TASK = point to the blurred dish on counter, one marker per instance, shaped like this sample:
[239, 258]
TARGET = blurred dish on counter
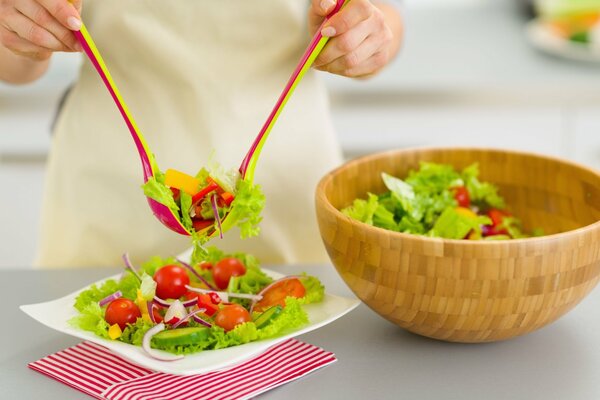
[567, 28]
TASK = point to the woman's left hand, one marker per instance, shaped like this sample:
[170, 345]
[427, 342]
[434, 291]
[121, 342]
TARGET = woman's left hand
[364, 36]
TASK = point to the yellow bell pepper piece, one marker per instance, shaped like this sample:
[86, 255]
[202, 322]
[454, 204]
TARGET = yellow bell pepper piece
[141, 303]
[182, 181]
[466, 212]
[114, 332]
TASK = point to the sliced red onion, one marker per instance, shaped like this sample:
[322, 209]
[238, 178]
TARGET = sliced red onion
[166, 304]
[226, 295]
[213, 203]
[129, 266]
[187, 317]
[269, 286]
[158, 355]
[151, 305]
[196, 274]
[110, 298]
[201, 321]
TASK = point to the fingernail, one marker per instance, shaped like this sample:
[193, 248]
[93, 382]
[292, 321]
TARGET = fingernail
[74, 23]
[328, 31]
[327, 4]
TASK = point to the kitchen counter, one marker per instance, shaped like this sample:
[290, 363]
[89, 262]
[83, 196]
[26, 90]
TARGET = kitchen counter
[376, 359]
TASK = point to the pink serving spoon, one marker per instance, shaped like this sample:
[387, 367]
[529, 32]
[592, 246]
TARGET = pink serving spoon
[247, 168]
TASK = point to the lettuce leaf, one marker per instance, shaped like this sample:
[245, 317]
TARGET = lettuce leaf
[481, 192]
[363, 210]
[128, 285]
[91, 318]
[315, 291]
[156, 189]
[134, 334]
[154, 263]
[454, 225]
[186, 202]
[247, 207]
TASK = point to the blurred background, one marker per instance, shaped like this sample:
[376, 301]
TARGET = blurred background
[472, 72]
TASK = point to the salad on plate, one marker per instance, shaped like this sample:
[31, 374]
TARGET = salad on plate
[220, 300]
[439, 201]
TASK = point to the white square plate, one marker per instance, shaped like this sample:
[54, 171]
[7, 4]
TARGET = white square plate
[56, 314]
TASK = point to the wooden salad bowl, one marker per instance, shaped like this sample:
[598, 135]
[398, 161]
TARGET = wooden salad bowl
[470, 291]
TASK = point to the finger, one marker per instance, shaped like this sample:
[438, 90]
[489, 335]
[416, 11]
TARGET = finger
[348, 17]
[42, 17]
[322, 8]
[64, 12]
[22, 47]
[344, 44]
[318, 10]
[78, 4]
[32, 32]
[369, 67]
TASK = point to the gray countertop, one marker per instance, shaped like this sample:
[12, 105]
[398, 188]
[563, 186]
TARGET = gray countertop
[376, 360]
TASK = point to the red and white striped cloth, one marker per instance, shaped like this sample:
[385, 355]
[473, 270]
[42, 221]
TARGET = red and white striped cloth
[98, 372]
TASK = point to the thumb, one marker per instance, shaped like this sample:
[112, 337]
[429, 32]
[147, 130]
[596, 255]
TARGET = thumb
[319, 9]
[77, 4]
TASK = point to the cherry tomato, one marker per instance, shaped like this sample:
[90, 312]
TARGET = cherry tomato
[176, 193]
[231, 315]
[171, 281]
[277, 294]
[122, 312]
[461, 194]
[225, 269]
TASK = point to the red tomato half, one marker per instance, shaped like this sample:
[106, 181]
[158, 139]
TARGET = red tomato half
[277, 294]
[122, 312]
[225, 269]
[231, 315]
[461, 194]
[171, 281]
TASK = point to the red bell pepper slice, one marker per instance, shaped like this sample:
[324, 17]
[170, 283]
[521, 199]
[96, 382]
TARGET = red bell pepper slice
[200, 224]
[227, 198]
[205, 301]
[206, 190]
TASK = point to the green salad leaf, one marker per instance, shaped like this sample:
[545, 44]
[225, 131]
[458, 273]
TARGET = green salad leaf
[91, 318]
[247, 207]
[156, 189]
[425, 204]
[455, 225]
[363, 210]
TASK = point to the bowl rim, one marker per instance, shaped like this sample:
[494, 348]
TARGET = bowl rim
[321, 197]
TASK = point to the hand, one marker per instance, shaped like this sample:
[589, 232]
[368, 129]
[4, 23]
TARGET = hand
[362, 42]
[37, 28]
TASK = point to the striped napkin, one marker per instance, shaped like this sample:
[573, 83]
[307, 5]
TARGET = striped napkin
[100, 373]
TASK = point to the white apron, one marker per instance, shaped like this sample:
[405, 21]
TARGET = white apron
[197, 75]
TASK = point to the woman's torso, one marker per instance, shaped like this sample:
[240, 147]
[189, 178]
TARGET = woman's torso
[198, 76]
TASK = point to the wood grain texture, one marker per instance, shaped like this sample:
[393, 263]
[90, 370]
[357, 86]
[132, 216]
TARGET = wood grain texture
[470, 291]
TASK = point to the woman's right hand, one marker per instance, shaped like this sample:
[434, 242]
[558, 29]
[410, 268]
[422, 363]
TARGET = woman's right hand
[37, 28]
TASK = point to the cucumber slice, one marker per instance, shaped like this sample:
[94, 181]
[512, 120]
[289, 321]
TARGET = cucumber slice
[266, 317]
[180, 336]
